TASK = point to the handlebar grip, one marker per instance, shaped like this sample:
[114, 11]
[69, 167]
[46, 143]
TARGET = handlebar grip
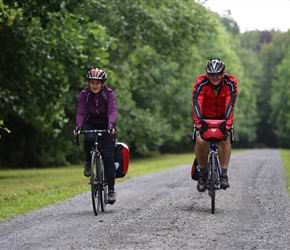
[194, 133]
[232, 134]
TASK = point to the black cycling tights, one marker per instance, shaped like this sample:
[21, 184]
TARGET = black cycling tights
[108, 145]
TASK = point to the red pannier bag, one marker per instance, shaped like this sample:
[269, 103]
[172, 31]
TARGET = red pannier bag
[213, 130]
[122, 158]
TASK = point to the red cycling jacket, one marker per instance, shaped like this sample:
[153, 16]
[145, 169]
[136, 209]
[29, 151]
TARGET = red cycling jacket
[207, 105]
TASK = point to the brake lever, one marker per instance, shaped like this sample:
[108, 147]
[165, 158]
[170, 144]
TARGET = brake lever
[76, 140]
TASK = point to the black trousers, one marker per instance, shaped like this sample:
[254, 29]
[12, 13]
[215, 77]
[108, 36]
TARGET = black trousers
[108, 145]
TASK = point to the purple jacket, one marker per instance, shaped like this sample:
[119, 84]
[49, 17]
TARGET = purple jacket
[99, 110]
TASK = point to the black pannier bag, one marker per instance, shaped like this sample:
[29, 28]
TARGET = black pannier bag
[194, 170]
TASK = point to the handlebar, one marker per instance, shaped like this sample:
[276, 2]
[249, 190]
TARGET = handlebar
[206, 121]
[89, 131]
[94, 131]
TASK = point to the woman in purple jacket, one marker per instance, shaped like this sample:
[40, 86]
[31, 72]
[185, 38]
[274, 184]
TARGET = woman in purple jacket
[97, 109]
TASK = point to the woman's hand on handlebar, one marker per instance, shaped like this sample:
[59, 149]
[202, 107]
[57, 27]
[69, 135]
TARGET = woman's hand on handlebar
[77, 130]
[111, 130]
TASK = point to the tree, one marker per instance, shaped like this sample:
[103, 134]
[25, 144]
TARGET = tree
[44, 54]
[280, 102]
[271, 55]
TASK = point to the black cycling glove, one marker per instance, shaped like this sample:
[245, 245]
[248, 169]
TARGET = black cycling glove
[78, 129]
[110, 128]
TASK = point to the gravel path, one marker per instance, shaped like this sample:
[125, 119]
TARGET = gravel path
[165, 211]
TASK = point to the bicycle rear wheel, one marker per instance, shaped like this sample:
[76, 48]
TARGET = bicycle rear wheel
[94, 183]
[212, 188]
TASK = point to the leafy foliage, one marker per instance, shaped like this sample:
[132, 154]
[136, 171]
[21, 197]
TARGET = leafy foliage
[280, 102]
[152, 52]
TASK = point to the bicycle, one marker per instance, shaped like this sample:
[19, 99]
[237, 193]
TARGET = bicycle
[213, 131]
[99, 186]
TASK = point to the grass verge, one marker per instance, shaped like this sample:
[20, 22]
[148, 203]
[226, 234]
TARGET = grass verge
[285, 154]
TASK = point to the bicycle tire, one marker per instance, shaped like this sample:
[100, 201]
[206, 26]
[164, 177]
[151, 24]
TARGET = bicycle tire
[102, 189]
[105, 190]
[94, 184]
[212, 182]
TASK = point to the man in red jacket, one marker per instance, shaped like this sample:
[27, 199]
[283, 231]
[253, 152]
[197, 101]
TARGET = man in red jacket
[214, 96]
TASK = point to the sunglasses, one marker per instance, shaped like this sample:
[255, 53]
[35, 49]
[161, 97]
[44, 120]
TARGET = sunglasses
[214, 74]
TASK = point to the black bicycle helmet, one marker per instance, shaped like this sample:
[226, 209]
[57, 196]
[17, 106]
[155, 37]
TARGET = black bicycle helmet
[215, 66]
[96, 74]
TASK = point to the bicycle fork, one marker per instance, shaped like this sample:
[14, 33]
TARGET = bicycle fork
[214, 172]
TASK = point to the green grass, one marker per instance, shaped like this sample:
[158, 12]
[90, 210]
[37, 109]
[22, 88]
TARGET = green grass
[157, 163]
[26, 190]
[285, 154]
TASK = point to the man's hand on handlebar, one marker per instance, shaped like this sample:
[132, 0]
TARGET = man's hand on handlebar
[198, 126]
[201, 125]
[228, 127]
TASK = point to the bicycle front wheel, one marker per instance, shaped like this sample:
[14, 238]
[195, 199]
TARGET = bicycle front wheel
[101, 189]
[94, 183]
[212, 187]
